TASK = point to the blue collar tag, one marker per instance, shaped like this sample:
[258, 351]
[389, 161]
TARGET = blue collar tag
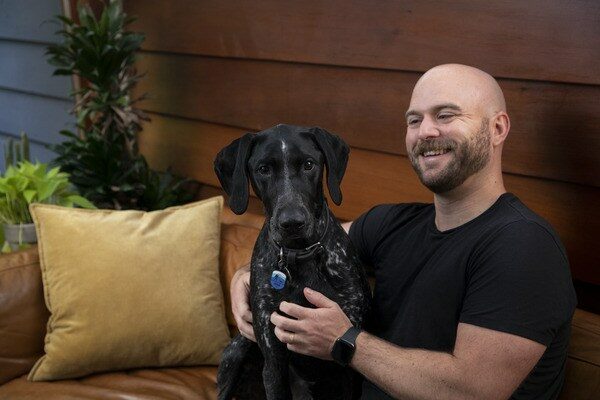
[278, 279]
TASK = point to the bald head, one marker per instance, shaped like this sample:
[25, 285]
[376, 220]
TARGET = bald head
[456, 83]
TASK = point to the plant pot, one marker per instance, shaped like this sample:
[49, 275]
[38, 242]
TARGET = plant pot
[16, 234]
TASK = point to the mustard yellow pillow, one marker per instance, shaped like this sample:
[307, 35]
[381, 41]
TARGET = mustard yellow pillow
[130, 289]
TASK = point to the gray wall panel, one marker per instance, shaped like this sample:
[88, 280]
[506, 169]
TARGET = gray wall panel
[25, 19]
[31, 99]
[40, 117]
[23, 67]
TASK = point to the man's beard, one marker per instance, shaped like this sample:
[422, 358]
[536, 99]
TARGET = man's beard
[470, 157]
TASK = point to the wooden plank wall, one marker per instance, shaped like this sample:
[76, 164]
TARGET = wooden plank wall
[217, 69]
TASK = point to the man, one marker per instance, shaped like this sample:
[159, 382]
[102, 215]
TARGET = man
[473, 296]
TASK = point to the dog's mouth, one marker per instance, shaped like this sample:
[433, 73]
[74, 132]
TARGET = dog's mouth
[295, 239]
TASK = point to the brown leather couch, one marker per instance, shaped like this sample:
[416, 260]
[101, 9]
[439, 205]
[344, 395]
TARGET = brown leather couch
[23, 317]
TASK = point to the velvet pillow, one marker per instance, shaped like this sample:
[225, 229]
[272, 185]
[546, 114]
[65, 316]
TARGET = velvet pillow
[130, 289]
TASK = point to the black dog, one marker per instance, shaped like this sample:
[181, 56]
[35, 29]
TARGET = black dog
[300, 245]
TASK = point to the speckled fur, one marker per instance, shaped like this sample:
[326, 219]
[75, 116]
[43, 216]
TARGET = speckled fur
[337, 273]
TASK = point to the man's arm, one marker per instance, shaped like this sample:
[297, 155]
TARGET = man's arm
[485, 364]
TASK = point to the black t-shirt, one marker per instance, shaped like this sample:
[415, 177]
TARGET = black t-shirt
[505, 270]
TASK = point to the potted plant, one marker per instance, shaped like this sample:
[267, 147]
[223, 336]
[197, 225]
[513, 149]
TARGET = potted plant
[102, 158]
[29, 183]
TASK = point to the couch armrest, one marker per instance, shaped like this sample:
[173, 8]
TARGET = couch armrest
[23, 313]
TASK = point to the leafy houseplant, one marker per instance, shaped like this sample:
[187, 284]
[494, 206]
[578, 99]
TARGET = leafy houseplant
[103, 158]
[32, 183]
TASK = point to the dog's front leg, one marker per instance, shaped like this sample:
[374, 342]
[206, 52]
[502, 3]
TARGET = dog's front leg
[275, 371]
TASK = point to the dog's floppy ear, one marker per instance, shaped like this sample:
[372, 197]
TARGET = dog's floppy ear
[230, 167]
[336, 159]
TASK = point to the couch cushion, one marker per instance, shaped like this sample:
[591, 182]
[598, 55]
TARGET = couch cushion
[130, 289]
[237, 243]
[23, 314]
[196, 383]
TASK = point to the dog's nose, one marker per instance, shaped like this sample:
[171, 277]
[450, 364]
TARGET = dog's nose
[291, 220]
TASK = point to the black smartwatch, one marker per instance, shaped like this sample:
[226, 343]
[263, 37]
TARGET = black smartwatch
[344, 346]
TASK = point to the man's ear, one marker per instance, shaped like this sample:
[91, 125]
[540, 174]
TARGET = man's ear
[336, 152]
[500, 128]
[230, 167]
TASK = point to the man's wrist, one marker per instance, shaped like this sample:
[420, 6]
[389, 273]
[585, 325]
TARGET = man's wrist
[345, 346]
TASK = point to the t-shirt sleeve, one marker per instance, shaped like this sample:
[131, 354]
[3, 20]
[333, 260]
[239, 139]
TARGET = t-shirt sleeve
[519, 282]
[366, 230]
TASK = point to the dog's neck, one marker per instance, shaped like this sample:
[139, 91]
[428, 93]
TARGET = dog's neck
[288, 258]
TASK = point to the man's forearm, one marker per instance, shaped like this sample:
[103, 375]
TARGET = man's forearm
[414, 373]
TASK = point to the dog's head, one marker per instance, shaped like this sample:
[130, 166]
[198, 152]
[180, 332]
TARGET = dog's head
[285, 166]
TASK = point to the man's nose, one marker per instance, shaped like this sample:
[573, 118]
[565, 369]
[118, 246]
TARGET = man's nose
[428, 129]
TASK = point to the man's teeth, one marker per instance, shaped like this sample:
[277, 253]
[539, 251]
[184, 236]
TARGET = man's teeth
[434, 152]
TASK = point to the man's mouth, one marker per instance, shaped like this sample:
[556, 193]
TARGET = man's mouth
[432, 153]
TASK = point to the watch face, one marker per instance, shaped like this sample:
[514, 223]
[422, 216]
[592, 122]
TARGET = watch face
[342, 351]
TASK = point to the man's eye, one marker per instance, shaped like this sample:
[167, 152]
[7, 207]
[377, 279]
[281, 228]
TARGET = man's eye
[445, 116]
[263, 169]
[412, 121]
[308, 165]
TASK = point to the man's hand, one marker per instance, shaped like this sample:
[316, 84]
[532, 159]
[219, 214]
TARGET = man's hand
[314, 330]
[240, 302]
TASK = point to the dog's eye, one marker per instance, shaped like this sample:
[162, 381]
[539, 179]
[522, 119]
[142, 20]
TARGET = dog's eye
[263, 169]
[308, 165]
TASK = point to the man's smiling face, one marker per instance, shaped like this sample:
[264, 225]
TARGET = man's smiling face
[448, 137]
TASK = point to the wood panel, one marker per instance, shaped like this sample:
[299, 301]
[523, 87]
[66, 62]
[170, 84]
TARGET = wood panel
[23, 67]
[582, 381]
[373, 178]
[554, 126]
[585, 338]
[554, 40]
[583, 362]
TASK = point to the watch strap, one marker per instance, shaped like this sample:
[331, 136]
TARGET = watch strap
[350, 335]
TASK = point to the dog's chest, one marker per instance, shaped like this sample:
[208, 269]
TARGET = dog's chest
[334, 273]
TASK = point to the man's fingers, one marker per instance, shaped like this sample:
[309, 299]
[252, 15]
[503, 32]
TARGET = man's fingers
[247, 316]
[247, 331]
[318, 299]
[294, 310]
[287, 324]
[284, 336]
[248, 335]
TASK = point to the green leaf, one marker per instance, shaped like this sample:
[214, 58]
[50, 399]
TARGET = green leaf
[29, 195]
[80, 201]
[65, 20]
[6, 248]
[61, 72]
[46, 189]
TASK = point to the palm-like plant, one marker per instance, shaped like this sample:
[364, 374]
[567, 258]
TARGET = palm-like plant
[103, 159]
